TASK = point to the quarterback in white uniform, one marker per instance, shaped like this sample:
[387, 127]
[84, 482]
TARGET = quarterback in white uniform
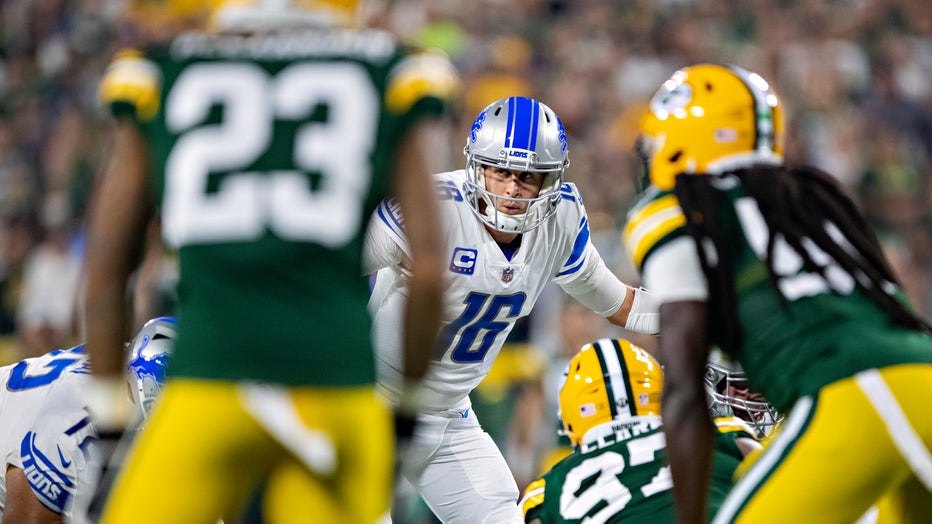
[512, 226]
[47, 439]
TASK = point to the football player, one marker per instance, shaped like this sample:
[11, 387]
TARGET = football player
[49, 444]
[618, 472]
[776, 266]
[265, 139]
[729, 395]
[512, 225]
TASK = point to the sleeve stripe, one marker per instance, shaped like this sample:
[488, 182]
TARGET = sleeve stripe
[645, 229]
[392, 221]
[579, 248]
[390, 215]
[533, 496]
[732, 424]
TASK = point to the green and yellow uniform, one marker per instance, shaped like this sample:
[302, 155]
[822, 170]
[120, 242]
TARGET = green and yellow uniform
[813, 343]
[620, 474]
[267, 154]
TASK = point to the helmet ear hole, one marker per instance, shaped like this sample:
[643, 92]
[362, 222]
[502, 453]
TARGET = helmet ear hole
[676, 156]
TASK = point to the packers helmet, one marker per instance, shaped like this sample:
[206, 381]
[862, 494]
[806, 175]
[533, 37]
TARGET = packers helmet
[710, 118]
[609, 379]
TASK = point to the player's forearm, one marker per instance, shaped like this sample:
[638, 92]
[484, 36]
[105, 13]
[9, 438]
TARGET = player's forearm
[107, 314]
[686, 418]
[422, 318]
[415, 191]
[119, 214]
[689, 444]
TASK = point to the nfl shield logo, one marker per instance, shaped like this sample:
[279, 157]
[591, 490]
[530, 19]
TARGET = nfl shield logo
[507, 274]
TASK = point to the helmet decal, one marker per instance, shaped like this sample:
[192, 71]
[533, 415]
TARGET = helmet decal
[148, 359]
[670, 99]
[477, 125]
[565, 146]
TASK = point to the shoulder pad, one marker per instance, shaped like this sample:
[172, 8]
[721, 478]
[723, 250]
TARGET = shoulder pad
[423, 75]
[654, 218]
[131, 82]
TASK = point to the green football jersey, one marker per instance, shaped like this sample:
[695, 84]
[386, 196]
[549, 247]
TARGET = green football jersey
[827, 329]
[726, 457]
[620, 473]
[268, 154]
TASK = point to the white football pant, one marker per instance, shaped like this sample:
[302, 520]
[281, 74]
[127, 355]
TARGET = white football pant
[459, 471]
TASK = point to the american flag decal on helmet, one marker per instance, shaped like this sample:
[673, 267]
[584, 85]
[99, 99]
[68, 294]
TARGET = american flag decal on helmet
[507, 274]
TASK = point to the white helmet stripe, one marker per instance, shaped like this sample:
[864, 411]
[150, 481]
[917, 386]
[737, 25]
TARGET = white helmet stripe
[614, 370]
[763, 111]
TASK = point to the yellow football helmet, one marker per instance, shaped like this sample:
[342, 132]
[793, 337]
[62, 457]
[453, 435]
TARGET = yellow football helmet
[609, 379]
[709, 118]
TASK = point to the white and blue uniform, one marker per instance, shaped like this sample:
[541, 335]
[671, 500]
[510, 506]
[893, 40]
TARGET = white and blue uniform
[46, 431]
[456, 466]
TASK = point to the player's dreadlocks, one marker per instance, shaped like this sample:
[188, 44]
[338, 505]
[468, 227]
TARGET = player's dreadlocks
[797, 203]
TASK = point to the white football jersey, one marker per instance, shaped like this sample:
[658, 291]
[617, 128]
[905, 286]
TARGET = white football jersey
[46, 431]
[486, 293]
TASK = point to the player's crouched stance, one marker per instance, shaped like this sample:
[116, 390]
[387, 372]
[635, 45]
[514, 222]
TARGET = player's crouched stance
[49, 444]
[618, 470]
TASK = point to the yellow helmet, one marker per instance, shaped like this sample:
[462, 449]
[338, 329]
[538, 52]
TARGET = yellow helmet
[709, 118]
[242, 15]
[609, 379]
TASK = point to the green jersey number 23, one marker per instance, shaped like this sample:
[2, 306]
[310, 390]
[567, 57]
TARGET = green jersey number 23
[249, 202]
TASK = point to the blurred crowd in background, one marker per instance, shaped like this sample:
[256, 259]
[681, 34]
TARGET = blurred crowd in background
[855, 77]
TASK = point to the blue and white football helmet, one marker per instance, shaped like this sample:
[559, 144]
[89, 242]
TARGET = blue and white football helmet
[148, 357]
[519, 134]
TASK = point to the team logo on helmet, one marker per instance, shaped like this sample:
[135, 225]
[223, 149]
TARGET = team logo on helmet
[668, 101]
[565, 145]
[477, 125]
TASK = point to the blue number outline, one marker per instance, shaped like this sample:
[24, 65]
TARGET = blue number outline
[19, 381]
[470, 325]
